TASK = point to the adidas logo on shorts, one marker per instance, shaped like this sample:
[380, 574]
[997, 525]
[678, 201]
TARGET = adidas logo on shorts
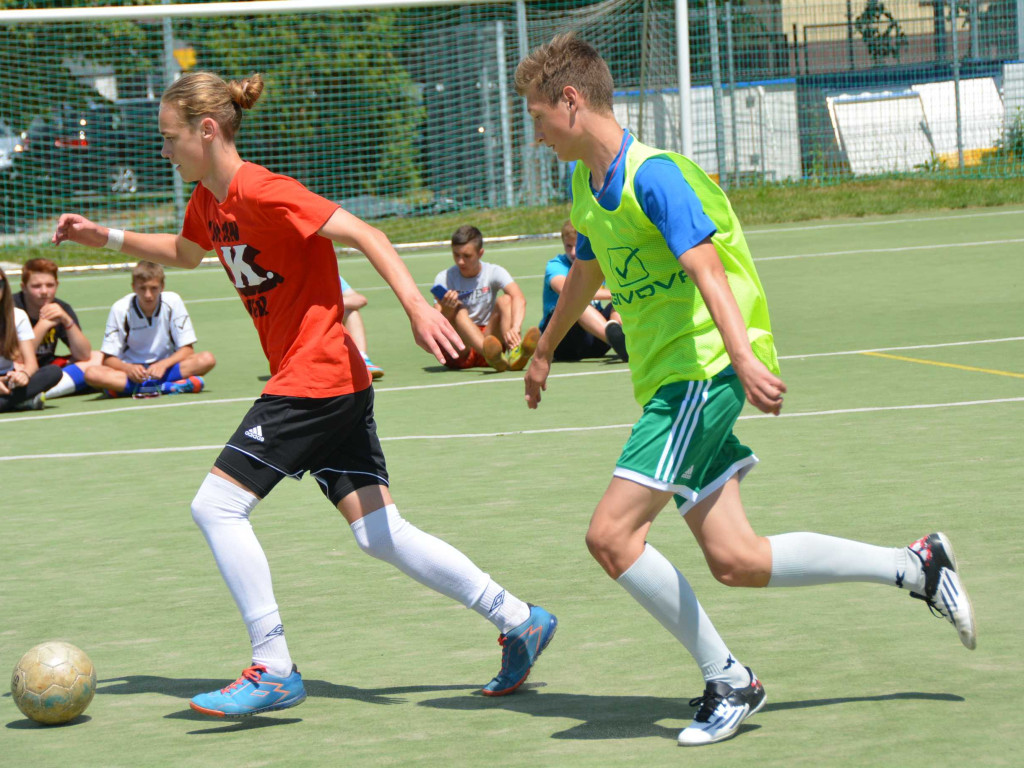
[256, 433]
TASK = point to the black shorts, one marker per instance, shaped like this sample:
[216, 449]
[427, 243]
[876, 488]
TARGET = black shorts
[332, 438]
[579, 344]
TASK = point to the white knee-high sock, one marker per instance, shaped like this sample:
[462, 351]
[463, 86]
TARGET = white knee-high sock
[666, 594]
[386, 535]
[71, 380]
[221, 510]
[803, 559]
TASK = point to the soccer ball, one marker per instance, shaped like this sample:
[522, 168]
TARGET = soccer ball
[53, 683]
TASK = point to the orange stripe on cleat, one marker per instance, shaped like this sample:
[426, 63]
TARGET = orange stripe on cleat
[205, 711]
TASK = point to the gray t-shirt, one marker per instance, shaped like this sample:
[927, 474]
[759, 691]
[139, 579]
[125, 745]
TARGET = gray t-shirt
[479, 293]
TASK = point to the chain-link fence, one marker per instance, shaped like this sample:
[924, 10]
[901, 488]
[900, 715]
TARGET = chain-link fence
[409, 111]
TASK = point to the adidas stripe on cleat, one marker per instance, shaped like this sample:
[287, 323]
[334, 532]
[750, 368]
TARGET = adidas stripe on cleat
[722, 709]
[254, 693]
[520, 650]
[944, 592]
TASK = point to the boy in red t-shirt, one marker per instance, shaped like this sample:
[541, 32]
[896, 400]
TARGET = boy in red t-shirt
[274, 239]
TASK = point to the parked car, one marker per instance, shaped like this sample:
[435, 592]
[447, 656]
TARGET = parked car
[99, 148]
[9, 144]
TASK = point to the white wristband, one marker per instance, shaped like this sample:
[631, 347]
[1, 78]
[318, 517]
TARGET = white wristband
[115, 239]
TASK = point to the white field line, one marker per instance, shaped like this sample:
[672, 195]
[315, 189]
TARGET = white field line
[890, 222]
[901, 249]
[516, 433]
[148, 405]
[785, 257]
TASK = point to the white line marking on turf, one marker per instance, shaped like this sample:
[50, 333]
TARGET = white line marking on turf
[862, 223]
[901, 249]
[784, 257]
[895, 349]
[515, 433]
[149, 405]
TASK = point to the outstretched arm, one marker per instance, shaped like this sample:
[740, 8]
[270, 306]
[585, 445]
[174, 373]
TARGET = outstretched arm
[430, 329]
[584, 279]
[166, 249]
[763, 388]
[518, 313]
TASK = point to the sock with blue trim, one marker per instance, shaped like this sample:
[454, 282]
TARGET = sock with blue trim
[72, 382]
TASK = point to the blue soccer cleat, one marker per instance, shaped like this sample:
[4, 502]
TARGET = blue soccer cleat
[520, 650]
[254, 693]
[375, 371]
[188, 385]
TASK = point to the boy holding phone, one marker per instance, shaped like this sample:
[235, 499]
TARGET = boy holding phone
[488, 323]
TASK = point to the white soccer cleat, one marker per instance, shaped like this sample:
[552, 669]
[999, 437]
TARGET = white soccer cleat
[943, 591]
[722, 710]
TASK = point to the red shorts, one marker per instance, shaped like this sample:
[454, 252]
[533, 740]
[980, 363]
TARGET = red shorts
[473, 360]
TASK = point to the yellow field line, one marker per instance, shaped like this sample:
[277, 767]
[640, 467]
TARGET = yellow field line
[946, 365]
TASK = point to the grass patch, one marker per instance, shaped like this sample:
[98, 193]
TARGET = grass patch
[756, 205]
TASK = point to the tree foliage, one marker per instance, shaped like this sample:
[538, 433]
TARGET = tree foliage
[339, 112]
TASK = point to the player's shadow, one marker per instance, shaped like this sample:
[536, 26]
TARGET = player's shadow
[28, 725]
[628, 717]
[468, 373]
[186, 688]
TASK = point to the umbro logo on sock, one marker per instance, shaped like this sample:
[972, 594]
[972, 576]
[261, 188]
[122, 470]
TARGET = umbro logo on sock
[277, 631]
[256, 433]
[498, 601]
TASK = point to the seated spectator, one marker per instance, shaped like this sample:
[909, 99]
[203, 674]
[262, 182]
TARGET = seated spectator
[353, 322]
[54, 320]
[22, 381]
[598, 328]
[147, 346]
[468, 296]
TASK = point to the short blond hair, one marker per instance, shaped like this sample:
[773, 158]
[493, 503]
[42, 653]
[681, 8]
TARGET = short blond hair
[567, 60]
[568, 229]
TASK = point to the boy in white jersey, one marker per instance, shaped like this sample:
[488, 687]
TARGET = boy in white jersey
[665, 239]
[485, 306]
[148, 342]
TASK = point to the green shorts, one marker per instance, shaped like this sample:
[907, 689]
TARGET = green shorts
[684, 443]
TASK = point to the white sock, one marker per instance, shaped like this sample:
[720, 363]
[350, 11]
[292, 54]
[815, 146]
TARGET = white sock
[666, 594]
[221, 510]
[503, 610]
[269, 647]
[386, 535]
[803, 559]
[66, 386]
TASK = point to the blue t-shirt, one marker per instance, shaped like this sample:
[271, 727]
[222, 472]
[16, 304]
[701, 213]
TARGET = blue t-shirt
[560, 265]
[664, 196]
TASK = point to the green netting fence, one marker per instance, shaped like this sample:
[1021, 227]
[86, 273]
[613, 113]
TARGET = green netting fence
[407, 110]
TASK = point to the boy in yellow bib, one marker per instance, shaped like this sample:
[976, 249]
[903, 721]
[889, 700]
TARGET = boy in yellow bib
[665, 239]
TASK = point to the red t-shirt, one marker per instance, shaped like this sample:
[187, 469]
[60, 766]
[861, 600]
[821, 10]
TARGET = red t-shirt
[265, 235]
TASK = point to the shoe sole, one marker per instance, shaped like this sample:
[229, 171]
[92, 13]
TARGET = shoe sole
[507, 691]
[733, 732]
[494, 358]
[970, 637]
[526, 350]
[242, 715]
